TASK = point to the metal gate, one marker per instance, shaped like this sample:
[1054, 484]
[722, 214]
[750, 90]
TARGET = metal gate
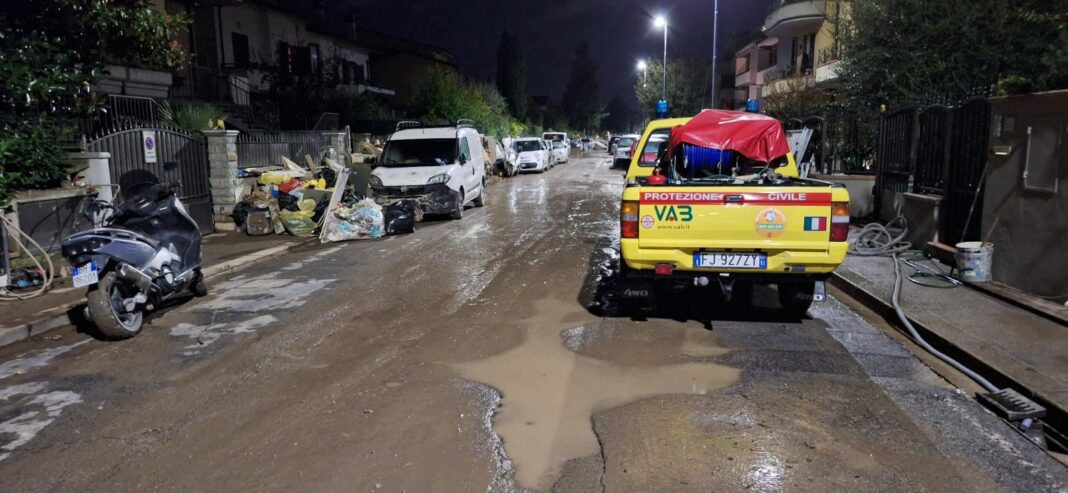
[181, 159]
[938, 150]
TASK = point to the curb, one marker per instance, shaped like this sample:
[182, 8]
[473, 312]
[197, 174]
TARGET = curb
[11, 335]
[1056, 415]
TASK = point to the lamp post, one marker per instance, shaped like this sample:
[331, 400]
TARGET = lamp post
[644, 69]
[715, 39]
[661, 22]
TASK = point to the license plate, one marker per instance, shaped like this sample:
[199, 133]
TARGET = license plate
[86, 275]
[731, 260]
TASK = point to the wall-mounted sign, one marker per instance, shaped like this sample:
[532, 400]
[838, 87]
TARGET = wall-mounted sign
[148, 139]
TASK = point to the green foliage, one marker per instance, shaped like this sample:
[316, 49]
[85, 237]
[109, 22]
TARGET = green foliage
[445, 99]
[619, 118]
[689, 83]
[581, 101]
[52, 53]
[512, 74]
[29, 157]
[191, 117]
[799, 99]
[906, 51]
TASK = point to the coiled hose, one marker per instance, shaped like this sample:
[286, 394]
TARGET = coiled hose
[889, 240]
[16, 234]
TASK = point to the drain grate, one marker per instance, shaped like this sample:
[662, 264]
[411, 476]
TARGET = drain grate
[1012, 405]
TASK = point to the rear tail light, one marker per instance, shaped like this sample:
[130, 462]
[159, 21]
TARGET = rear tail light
[633, 148]
[839, 221]
[664, 269]
[628, 219]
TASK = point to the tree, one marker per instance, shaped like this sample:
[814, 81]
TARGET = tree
[582, 104]
[512, 74]
[52, 53]
[446, 98]
[907, 51]
[689, 83]
[618, 118]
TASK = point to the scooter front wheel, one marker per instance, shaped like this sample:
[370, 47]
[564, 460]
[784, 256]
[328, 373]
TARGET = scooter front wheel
[108, 312]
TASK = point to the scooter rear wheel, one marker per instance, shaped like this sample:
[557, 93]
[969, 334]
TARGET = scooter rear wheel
[199, 288]
[106, 310]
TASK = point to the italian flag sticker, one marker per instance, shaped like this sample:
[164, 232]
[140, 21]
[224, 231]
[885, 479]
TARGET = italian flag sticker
[815, 223]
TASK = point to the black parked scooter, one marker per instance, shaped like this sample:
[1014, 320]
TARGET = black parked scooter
[147, 251]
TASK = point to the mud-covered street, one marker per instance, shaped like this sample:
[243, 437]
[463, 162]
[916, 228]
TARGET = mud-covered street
[488, 354]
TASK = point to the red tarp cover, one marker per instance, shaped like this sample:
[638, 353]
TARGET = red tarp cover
[757, 137]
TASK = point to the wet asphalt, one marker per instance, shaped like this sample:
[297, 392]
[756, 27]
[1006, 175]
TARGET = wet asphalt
[490, 354]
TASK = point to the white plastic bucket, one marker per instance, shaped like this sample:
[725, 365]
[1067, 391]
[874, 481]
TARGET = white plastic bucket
[973, 260]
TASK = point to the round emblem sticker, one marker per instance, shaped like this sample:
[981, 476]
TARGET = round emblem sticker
[770, 222]
[151, 143]
[647, 222]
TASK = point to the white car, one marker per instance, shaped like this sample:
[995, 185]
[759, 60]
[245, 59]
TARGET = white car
[560, 151]
[441, 168]
[624, 145]
[532, 154]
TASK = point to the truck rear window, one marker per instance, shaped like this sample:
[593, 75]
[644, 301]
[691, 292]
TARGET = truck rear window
[651, 152]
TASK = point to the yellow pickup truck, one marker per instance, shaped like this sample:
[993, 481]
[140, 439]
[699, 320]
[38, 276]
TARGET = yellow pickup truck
[716, 201]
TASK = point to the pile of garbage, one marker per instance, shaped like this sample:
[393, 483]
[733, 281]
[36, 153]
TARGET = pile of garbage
[318, 201]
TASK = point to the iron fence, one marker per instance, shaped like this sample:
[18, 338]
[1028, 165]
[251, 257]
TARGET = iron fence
[255, 149]
[937, 150]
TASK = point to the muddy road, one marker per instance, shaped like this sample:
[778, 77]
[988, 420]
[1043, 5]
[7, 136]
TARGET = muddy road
[487, 355]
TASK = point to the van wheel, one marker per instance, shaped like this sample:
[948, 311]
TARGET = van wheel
[480, 201]
[796, 297]
[458, 212]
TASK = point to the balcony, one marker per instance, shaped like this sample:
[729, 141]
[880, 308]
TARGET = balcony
[743, 79]
[789, 18]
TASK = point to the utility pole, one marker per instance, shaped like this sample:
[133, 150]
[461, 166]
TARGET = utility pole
[715, 41]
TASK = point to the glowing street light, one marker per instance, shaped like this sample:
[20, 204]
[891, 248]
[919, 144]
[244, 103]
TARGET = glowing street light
[661, 23]
[644, 69]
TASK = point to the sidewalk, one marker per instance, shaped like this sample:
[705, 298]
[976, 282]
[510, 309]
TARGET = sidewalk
[223, 252]
[1009, 345]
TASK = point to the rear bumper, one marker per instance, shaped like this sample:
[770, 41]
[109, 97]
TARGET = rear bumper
[782, 264]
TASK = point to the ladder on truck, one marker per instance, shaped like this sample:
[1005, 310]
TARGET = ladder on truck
[799, 140]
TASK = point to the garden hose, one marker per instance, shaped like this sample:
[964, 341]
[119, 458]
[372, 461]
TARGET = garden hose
[17, 234]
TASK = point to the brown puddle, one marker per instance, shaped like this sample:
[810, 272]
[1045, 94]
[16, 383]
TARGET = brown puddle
[550, 392]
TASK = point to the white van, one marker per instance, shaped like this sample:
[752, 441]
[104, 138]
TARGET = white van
[558, 143]
[441, 168]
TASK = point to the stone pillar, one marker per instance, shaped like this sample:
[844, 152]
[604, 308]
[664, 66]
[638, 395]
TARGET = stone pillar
[340, 142]
[225, 186]
[95, 169]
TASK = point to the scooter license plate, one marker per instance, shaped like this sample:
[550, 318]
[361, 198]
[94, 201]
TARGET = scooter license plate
[86, 275]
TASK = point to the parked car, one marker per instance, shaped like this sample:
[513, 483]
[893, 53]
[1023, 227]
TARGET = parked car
[533, 155]
[561, 152]
[624, 149]
[441, 168]
[501, 159]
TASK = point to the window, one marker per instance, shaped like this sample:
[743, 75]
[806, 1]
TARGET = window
[465, 151]
[313, 54]
[239, 46]
[653, 147]
[419, 152]
[300, 60]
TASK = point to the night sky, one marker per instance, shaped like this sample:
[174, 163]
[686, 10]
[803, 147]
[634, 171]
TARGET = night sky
[619, 33]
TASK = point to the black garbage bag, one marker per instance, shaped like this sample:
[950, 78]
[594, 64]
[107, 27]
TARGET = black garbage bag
[320, 209]
[288, 202]
[240, 214]
[400, 217]
[328, 175]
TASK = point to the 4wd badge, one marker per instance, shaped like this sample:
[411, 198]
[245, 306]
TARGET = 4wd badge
[770, 222]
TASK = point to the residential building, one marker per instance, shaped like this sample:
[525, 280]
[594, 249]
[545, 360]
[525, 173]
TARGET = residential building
[241, 49]
[800, 44]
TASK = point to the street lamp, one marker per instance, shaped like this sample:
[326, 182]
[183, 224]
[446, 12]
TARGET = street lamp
[661, 23]
[644, 69]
